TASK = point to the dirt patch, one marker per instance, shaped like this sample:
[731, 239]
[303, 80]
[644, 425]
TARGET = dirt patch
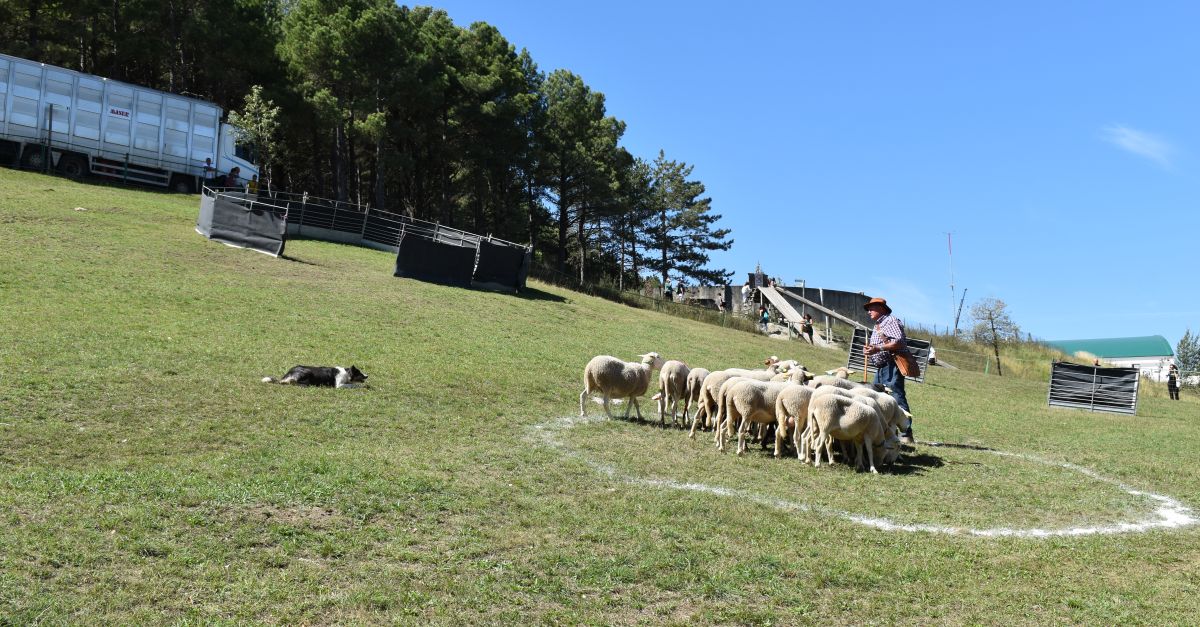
[293, 515]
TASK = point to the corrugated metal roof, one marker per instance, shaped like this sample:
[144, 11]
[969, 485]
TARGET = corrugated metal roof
[1113, 347]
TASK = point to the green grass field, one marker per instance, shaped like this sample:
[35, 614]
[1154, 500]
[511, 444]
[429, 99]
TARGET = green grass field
[147, 476]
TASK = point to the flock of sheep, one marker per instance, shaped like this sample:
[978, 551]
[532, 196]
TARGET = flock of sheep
[812, 411]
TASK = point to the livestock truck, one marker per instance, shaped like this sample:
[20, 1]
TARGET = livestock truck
[76, 124]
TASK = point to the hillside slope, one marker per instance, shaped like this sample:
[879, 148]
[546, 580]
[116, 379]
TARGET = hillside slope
[148, 476]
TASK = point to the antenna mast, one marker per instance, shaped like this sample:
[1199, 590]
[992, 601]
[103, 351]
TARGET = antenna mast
[950, 249]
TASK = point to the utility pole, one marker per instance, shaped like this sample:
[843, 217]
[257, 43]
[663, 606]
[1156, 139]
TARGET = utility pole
[960, 305]
[950, 249]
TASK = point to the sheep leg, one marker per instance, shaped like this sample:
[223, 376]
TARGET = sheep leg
[779, 435]
[742, 431]
[582, 395]
[799, 439]
[695, 422]
[633, 401]
[607, 411]
[870, 453]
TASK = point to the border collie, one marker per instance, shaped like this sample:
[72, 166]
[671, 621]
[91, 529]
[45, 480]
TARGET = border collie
[326, 376]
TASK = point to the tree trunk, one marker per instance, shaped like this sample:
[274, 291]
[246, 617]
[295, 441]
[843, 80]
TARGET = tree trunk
[996, 346]
[563, 223]
[582, 244]
[664, 243]
[340, 151]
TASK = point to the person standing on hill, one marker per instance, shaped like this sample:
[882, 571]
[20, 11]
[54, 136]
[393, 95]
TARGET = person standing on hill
[764, 317]
[806, 327]
[1173, 382]
[887, 339]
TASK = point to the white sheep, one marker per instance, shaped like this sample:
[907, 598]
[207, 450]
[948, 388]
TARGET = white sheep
[791, 415]
[695, 382]
[708, 406]
[799, 375]
[856, 420]
[748, 402]
[672, 388]
[894, 416]
[614, 378]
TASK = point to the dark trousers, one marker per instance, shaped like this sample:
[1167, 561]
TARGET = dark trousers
[889, 375]
[1173, 390]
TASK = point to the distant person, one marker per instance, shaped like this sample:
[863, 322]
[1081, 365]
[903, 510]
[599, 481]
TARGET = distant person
[210, 172]
[887, 339]
[1096, 363]
[764, 317]
[231, 179]
[932, 355]
[746, 293]
[668, 294]
[806, 327]
[1173, 382]
[252, 186]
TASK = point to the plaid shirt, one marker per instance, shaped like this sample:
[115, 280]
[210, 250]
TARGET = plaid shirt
[887, 328]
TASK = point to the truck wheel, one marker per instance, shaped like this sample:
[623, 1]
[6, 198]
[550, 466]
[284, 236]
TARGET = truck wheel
[181, 185]
[72, 166]
[34, 159]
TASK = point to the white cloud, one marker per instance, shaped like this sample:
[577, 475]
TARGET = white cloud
[1140, 143]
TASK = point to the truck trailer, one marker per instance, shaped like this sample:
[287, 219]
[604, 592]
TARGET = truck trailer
[76, 123]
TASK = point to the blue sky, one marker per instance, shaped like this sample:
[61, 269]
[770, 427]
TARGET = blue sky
[1056, 141]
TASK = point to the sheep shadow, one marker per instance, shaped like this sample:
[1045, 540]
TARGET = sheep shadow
[914, 463]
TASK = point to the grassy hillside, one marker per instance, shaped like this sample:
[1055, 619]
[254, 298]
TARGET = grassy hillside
[146, 476]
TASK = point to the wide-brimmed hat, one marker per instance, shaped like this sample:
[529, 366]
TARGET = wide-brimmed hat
[878, 301]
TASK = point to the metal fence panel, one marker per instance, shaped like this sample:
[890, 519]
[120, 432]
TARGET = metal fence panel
[918, 348]
[1092, 388]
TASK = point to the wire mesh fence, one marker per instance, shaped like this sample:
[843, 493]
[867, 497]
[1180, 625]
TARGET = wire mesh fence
[634, 298]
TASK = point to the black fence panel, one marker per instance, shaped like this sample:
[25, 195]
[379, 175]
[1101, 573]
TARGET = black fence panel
[243, 222]
[500, 266]
[1093, 388]
[426, 259]
[918, 348]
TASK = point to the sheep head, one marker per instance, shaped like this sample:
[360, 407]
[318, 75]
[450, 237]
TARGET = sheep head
[654, 360]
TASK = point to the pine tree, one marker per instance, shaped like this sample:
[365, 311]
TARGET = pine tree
[1188, 352]
[680, 233]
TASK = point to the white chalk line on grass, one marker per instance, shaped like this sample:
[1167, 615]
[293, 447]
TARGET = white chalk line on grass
[1168, 514]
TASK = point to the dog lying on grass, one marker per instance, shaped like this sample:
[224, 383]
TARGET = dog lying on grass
[325, 376]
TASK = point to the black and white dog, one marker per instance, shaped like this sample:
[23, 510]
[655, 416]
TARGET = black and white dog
[336, 376]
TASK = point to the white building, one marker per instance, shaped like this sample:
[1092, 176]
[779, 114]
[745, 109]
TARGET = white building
[1151, 354]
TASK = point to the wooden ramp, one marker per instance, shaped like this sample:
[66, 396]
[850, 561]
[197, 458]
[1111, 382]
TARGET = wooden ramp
[776, 296]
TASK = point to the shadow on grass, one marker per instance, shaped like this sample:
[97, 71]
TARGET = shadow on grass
[913, 463]
[297, 260]
[529, 293]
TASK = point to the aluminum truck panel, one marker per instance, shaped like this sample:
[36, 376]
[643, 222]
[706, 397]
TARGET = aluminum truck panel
[132, 130]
